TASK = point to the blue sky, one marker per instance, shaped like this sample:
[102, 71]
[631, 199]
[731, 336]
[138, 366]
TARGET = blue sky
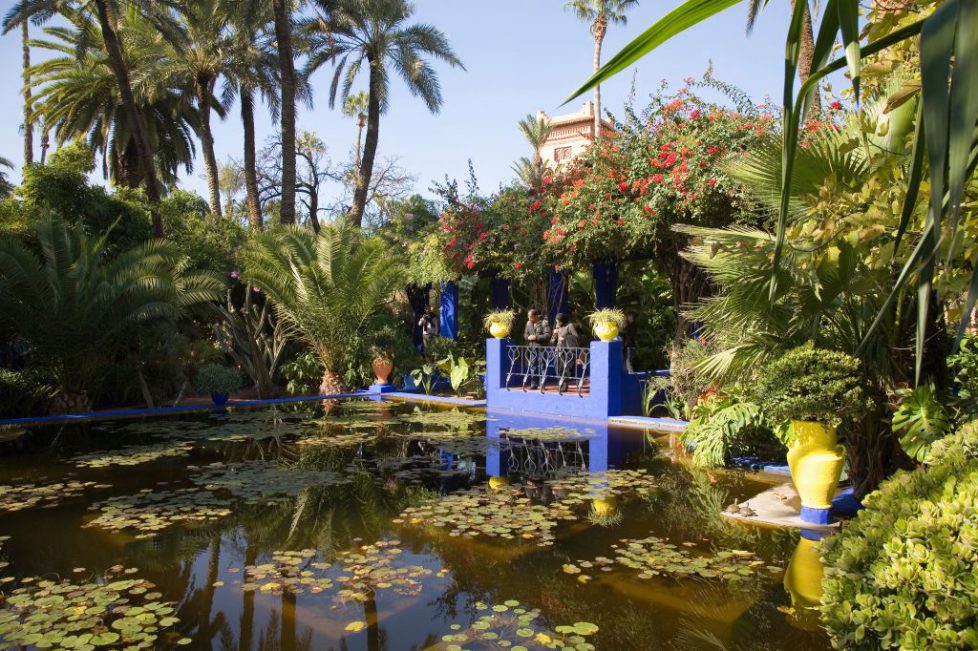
[520, 56]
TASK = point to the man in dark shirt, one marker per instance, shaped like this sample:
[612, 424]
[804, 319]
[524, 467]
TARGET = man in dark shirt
[536, 334]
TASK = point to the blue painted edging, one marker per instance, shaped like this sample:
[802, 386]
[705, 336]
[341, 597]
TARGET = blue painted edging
[761, 465]
[116, 413]
[442, 400]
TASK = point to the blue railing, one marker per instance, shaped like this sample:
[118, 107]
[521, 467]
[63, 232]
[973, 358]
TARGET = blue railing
[539, 367]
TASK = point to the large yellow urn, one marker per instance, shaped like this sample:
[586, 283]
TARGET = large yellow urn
[499, 330]
[606, 330]
[816, 461]
[803, 581]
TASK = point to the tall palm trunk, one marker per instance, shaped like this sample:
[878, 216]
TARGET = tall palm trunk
[25, 44]
[283, 36]
[361, 123]
[250, 159]
[203, 88]
[143, 146]
[369, 145]
[600, 29]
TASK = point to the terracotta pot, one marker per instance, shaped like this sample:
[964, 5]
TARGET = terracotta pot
[382, 369]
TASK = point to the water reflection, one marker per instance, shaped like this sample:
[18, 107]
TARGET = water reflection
[393, 459]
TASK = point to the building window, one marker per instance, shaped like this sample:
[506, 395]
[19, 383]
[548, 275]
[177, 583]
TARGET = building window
[562, 153]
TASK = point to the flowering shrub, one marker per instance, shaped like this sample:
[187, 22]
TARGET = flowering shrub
[663, 167]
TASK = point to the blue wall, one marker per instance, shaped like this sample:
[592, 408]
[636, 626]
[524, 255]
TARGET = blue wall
[613, 392]
[449, 310]
[605, 284]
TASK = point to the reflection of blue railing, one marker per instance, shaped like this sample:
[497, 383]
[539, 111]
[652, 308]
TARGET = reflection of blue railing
[537, 367]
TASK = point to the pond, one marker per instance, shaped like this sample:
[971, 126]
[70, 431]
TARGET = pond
[380, 526]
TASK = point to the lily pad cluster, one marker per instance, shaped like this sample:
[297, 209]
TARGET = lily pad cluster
[579, 488]
[35, 495]
[347, 440]
[510, 625]
[296, 571]
[652, 556]
[378, 566]
[150, 512]
[503, 512]
[120, 612]
[452, 418]
[258, 482]
[132, 456]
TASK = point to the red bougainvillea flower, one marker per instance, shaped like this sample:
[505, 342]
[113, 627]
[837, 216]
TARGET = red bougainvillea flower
[581, 224]
[623, 186]
[535, 205]
[469, 262]
[547, 180]
[711, 182]
[657, 178]
[836, 106]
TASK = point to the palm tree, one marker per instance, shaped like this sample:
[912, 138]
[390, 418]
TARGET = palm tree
[77, 308]
[289, 84]
[325, 287]
[351, 33]
[599, 14]
[806, 47]
[25, 44]
[202, 49]
[355, 106]
[78, 97]
[6, 187]
[255, 74]
[108, 13]
[536, 130]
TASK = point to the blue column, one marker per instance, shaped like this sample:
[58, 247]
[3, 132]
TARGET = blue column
[607, 371]
[499, 288]
[558, 296]
[449, 310]
[605, 284]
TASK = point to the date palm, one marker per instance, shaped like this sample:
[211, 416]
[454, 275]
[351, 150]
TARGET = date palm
[77, 308]
[325, 287]
[108, 13]
[282, 13]
[536, 129]
[377, 34]
[599, 14]
[78, 97]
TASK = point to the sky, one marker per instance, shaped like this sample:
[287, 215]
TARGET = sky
[520, 56]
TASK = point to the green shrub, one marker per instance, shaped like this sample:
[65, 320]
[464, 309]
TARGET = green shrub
[23, 393]
[921, 420]
[904, 573]
[812, 384]
[303, 374]
[214, 378]
[964, 365]
[688, 384]
[727, 426]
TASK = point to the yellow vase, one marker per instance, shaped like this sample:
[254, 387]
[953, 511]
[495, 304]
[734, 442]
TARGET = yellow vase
[606, 330]
[803, 581]
[816, 461]
[605, 506]
[499, 330]
[498, 483]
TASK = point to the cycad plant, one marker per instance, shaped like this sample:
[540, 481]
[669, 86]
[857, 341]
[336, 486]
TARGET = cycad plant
[325, 287]
[77, 308]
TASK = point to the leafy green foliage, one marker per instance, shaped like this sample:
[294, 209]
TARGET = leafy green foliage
[22, 393]
[904, 573]
[325, 287]
[303, 373]
[920, 420]
[214, 378]
[812, 384]
[723, 427]
[964, 366]
[426, 377]
[77, 309]
[504, 317]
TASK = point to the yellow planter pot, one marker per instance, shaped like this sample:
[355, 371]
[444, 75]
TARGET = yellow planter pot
[606, 330]
[499, 330]
[816, 461]
[803, 581]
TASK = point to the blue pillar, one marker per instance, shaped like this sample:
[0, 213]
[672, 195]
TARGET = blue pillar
[607, 378]
[558, 296]
[449, 310]
[605, 284]
[499, 288]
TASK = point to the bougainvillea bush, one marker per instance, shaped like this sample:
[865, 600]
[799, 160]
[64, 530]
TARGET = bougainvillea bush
[904, 574]
[664, 166]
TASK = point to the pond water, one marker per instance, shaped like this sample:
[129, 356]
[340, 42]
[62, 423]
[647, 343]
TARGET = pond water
[380, 526]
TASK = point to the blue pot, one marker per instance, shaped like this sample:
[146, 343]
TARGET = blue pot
[219, 399]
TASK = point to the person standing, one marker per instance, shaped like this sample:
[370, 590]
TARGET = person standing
[566, 340]
[536, 335]
[629, 341]
[429, 326]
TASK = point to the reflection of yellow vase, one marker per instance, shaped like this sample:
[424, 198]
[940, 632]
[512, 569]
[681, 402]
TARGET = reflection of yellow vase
[606, 330]
[605, 506]
[816, 462]
[803, 580]
[499, 330]
[495, 483]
